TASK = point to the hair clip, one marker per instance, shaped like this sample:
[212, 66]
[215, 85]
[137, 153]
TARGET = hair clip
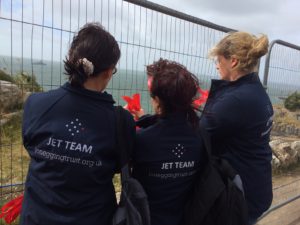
[87, 65]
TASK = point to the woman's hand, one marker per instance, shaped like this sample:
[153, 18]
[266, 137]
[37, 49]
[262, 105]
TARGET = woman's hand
[134, 113]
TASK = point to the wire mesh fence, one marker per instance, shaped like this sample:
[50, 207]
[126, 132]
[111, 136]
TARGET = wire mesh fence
[282, 70]
[39, 33]
[35, 38]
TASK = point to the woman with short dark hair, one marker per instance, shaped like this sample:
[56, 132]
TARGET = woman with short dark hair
[70, 135]
[169, 153]
[93, 51]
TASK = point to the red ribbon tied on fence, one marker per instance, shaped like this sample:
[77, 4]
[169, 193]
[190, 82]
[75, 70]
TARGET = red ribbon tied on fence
[203, 95]
[133, 103]
[11, 210]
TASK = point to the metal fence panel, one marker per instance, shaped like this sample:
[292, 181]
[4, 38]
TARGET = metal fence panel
[282, 70]
[37, 36]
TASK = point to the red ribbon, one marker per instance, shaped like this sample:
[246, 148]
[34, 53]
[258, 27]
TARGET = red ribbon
[203, 95]
[11, 210]
[133, 103]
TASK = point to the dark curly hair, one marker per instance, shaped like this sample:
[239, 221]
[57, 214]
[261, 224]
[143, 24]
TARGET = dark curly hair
[175, 87]
[95, 44]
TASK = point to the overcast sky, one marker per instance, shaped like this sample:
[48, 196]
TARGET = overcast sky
[145, 35]
[279, 19]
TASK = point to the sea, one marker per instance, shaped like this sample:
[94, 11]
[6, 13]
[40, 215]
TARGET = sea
[50, 75]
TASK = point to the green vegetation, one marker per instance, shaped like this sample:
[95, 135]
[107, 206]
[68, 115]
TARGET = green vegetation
[27, 82]
[14, 158]
[292, 102]
[5, 76]
[12, 100]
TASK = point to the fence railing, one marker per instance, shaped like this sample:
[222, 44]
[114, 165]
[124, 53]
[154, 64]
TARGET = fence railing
[180, 15]
[282, 69]
[38, 36]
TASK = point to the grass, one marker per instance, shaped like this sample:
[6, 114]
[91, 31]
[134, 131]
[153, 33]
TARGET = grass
[6, 77]
[13, 157]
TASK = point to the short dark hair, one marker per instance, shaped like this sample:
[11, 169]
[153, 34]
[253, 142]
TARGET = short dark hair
[175, 87]
[95, 44]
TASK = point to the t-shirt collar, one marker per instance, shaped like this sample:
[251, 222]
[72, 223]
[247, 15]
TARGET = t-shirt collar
[103, 96]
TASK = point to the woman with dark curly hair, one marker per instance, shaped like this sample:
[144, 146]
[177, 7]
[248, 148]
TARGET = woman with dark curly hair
[169, 153]
[70, 135]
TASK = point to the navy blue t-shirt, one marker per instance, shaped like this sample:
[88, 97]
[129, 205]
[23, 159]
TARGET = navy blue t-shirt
[70, 135]
[166, 158]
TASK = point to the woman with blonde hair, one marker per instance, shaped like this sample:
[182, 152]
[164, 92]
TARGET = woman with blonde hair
[238, 115]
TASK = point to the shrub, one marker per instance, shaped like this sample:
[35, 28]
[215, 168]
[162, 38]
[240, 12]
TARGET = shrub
[292, 102]
[5, 76]
[24, 81]
[27, 82]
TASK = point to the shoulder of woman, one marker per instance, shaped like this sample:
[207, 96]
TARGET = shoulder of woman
[129, 121]
[146, 120]
[128, 116]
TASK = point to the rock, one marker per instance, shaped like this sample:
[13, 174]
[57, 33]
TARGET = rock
[275, 162]
[3, 121]
[283, 151]
[7, 117]
[285, 123]
[274, 143]
[285, 129]
[10, 97]
[296, 147]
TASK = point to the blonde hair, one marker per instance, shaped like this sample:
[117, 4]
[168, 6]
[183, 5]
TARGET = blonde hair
[245, 47]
